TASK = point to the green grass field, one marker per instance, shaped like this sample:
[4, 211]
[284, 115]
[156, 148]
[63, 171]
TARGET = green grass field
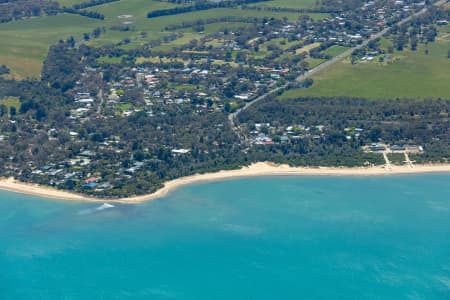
[11, 102]
[334, 50]
[289, 3]
[25, 43]
[314, 62]
[413, 75]
[69, 3]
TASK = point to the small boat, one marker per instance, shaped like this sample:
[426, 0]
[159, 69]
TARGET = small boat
[105, 206]
[96, 209]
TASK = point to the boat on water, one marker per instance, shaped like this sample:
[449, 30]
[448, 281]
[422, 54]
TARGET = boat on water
[96, 209]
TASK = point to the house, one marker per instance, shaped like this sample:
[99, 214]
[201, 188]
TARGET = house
[91, 185]
[376, 147]
[180, 151]
[241, 97]
[91, 179]
[397, 149]
[284, 139]
[87, 153]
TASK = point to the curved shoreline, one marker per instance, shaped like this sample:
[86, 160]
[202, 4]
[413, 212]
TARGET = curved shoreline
[254, 170]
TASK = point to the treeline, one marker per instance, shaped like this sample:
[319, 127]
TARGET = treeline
[177, 1]
[16, 10]
[84, 13]
[292, 10]
[91, 3]
[198, 6]
[201, 22]
[19, 9]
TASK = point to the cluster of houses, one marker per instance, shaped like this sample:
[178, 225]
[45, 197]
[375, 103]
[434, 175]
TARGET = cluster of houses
[338, 28]
[267, 134]
[83, 104]
[73, 170]
[165, 85]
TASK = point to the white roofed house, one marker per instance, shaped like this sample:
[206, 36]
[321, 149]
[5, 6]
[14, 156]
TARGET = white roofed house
[180, 151]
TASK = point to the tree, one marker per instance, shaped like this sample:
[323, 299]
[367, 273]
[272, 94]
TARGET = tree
[71, 41]
[375, 134]
[4, 70]
[308, 82]
[3, 110]
[12, 111]
[96, 32]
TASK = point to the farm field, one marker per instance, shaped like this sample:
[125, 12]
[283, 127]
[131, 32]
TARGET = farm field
[413, 74]
[25, 43]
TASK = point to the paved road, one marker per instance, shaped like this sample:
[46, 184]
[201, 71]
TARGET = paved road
[100, 96]
[99, 107]
[325, 65]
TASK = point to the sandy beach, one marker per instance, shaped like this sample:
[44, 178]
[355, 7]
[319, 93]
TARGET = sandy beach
[256, 169]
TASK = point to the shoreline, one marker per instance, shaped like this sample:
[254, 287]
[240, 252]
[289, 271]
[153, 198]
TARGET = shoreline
[254, 170]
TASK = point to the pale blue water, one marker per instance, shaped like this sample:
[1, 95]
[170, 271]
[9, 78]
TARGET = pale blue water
[254, 238]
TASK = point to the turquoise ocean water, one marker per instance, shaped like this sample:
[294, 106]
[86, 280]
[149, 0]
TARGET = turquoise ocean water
[252, 238]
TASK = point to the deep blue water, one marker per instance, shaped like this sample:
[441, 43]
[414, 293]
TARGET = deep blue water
[253, 238]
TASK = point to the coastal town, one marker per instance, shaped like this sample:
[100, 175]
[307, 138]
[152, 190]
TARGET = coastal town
[224, 149]
[166, 94]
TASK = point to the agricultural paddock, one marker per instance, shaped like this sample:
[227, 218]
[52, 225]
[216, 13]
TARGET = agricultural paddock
[409, 74]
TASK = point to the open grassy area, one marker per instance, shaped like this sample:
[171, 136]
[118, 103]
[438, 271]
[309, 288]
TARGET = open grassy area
[25, 43]
[214, 27]
[412, 75]
[11, 102]
[110, 60]
[314, 62]
[282, 43]
[335, 50]
[290, 3]
[307, 48]
[69, 3]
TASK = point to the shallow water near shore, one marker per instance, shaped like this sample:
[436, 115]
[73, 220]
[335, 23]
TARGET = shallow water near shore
[249, 238]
